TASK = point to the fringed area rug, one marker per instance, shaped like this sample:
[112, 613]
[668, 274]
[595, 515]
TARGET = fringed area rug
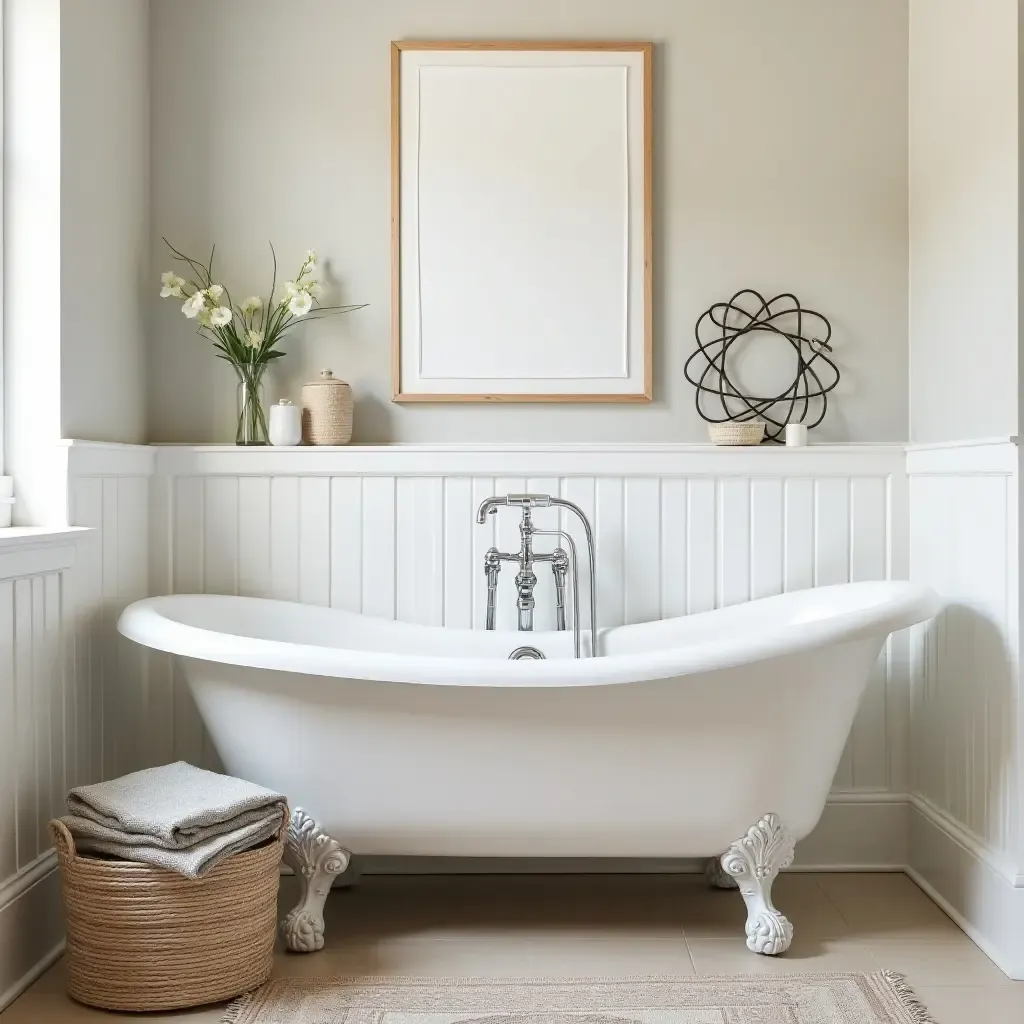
[882, 998]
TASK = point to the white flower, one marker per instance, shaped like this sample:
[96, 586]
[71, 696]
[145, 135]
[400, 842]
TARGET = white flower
[311, 260]
[220, 316]
[171, 285]
[204, 317]
[315, 288]
[251, 304]
[300, 303]
[291, 289]
[194, 305]
[215, 291]
[254, 338]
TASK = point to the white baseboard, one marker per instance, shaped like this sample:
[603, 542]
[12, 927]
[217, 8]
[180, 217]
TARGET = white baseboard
[979, 898]
[857, 832]
[31, 927]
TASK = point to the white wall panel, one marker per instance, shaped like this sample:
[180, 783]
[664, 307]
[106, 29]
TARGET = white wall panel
[458, 563]
[314, 526]
[33, 687]
[187, 576]
[642, 566]
[798, 548]
[419, 550]
[345, 518]
[678, 530]
[220, 535]
[966, 724]
[674, 532]
[8, 735]
[702, 545]
[378, 580]
[254, 537]
[283, 543]
[831, 532]
[868, 560]
[965, 699]
[767, 537]
[609, 530]
[733, 542]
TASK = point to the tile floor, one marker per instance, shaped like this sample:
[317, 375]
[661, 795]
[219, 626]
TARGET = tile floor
[611, 925]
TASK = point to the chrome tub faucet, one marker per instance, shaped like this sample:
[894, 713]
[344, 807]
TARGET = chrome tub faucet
[562, 564]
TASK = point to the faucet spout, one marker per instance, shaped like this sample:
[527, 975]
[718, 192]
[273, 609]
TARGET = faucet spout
[488, 507]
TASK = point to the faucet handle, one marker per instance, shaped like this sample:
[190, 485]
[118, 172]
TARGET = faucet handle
[528, 500]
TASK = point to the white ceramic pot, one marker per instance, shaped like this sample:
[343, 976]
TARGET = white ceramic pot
[285, 423]
[796, 435]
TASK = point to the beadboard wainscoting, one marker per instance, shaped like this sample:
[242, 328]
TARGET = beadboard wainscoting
[390, 531]
[967, 848]
[108, 490]
[71, 691]
[42, 734]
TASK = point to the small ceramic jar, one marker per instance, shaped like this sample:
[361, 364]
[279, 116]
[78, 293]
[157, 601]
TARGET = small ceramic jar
[285, 423]
[796, 435]
[326, 410]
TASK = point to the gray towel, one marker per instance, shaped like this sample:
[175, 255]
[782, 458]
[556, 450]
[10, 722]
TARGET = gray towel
[177, 817]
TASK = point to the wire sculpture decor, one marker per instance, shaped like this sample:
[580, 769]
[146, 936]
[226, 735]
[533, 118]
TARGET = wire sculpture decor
[748, 312]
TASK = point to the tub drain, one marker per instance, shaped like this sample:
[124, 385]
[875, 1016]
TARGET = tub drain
[529, 653]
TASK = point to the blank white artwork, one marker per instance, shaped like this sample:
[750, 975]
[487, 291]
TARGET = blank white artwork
[517, 220]
[522, 222]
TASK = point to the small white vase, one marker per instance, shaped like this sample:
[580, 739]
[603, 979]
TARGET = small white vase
[285, 423]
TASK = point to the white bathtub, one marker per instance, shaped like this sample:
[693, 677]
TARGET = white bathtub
[403, 739]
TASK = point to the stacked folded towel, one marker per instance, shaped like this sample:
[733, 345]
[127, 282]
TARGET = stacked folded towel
[177, 817]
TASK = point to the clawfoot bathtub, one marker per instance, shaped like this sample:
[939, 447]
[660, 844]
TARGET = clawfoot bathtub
[686, 737]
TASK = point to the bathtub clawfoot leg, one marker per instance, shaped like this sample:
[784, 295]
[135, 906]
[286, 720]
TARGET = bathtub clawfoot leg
[754, 861]
[316, 859]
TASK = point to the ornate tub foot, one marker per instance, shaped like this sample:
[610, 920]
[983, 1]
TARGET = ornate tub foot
[754, 861]
[316, 859]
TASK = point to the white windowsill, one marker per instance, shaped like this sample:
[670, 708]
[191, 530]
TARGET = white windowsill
[39, 536]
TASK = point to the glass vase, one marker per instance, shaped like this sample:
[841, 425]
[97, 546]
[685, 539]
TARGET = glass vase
[252, 419]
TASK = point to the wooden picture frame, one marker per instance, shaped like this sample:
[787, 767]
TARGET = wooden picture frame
[487, 140]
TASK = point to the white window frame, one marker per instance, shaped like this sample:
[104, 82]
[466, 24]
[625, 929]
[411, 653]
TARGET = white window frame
[6, 482]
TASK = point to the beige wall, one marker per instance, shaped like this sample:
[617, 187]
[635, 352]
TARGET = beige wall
[964, 219]
[780, 163]
[104, 194]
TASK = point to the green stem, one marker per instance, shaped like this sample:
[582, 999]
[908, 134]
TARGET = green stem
[252, 420]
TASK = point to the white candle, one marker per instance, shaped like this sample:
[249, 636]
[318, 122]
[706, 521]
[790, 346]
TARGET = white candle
[796, 435]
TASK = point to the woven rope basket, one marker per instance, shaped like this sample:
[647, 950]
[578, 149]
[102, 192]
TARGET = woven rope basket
[326, 410]
[750, 432]
[142, 938]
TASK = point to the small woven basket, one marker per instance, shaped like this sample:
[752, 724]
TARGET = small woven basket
[749, 432]
[326, 410]
[142, 938]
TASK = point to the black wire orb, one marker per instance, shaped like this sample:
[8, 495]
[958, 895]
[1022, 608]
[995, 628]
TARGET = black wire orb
[747, 312]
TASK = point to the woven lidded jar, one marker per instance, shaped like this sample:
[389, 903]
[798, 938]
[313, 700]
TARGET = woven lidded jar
[326, 410]
[143, 939]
